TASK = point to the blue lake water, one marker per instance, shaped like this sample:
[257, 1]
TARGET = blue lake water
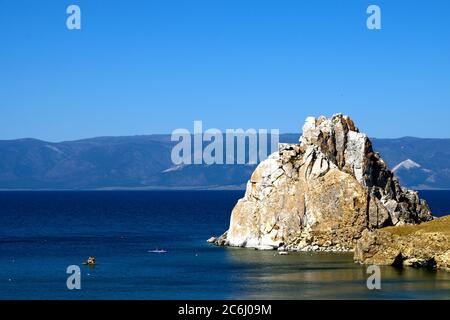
[42, 233]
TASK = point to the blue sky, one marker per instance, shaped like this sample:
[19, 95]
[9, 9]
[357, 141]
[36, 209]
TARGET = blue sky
[140, 67]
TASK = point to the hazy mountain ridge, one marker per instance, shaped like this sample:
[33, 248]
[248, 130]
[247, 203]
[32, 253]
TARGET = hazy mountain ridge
[143, 161]
[431, 155]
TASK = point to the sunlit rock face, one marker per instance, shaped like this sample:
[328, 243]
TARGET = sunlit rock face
[321, 193]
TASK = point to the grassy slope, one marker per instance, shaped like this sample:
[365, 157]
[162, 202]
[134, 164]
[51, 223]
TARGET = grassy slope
[441, 225]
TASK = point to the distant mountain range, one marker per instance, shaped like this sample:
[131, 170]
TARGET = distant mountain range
[145, 162]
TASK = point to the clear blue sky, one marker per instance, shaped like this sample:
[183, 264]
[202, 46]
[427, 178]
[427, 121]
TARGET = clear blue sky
[140, 67]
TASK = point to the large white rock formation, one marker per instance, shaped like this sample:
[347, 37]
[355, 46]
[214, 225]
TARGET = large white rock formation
[321, 194]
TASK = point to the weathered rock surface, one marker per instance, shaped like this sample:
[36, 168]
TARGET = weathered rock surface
[321, 194]
[424, 245]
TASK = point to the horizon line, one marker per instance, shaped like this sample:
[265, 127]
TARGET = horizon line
[169, 134]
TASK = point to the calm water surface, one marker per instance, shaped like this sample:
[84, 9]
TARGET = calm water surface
[41, 233]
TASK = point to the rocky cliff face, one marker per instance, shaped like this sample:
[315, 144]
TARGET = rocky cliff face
[321, 194]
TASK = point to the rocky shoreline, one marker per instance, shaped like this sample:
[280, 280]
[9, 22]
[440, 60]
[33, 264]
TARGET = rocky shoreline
[420, 246]
[327, 193]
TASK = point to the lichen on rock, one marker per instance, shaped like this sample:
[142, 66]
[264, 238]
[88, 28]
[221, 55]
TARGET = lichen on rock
[321, 194]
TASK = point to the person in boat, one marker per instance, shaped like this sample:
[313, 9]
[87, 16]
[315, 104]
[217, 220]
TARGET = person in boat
[90, 261]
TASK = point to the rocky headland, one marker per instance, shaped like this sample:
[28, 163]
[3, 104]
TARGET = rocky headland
[326, 193]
